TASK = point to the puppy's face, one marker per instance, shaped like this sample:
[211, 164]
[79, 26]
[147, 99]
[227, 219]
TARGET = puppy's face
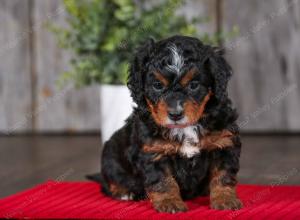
[176, 77]
[176, 90]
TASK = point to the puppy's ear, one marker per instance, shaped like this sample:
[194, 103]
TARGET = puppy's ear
[221, 73]
[138, 68]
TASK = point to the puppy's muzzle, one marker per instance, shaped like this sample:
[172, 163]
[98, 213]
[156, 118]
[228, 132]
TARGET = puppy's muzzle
[175, 109]
[175, 115]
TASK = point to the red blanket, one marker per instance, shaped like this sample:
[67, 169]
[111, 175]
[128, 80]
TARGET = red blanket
[83, 200]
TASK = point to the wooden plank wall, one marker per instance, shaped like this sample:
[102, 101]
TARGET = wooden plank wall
[31, 63]
[64, 109]
[15, 66]
[265, 58]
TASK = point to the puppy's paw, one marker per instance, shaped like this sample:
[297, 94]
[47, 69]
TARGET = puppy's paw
[126, 197]
[170, 206]
[226, 203]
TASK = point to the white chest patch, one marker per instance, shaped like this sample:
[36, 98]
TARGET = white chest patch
[189, 150]
[189, 137]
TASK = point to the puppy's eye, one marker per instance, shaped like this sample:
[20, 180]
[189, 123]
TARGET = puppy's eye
[157, 86]
[194, 86]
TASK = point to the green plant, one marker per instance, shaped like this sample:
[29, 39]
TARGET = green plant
[102, 35]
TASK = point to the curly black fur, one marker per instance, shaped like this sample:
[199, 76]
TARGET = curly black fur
[123, 160]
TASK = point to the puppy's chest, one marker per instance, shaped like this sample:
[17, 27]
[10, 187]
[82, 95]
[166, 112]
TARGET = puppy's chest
[189, 139]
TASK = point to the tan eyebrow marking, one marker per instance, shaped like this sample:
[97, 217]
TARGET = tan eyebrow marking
[161, 78]
[188, 76]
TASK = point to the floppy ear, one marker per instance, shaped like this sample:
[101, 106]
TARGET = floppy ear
[221, 73]
[138, 68]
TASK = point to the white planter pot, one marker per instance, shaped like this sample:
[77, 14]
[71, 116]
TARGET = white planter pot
[115, 106]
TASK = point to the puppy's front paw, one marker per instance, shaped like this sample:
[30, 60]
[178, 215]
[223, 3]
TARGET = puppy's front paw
[226, 203]
[171, 206]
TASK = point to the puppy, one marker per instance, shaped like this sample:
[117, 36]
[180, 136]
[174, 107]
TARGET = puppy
[181, 140]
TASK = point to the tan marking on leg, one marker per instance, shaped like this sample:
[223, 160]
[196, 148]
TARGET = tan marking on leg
[222, 196]
[165, 196]
[211, 141]
[119, 192]
[161, 148]
[216, 140]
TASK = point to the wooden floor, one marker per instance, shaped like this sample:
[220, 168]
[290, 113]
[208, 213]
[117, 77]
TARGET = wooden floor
[29, 160]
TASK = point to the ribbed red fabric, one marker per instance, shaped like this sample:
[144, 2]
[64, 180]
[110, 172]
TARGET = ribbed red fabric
[83, 200]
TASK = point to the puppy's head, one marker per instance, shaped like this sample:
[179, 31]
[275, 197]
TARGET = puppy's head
[175, 78]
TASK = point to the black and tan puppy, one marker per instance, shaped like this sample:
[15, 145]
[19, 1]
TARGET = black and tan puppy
[181, 140]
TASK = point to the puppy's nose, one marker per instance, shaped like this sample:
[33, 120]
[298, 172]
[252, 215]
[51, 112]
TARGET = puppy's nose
[176, 115]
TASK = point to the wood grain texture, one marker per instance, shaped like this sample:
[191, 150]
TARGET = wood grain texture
[59, 110]
[74, 110]
[15, 74]
[265, 58]
[205, 9]
[40, 158]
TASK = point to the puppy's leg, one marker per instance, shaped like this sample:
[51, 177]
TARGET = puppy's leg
[161, 187]
[117, 178]
[120, 192]
[216, 140]
[222, 193]
[223, 179]
[165, 196]
[211, 141]
[161, 148]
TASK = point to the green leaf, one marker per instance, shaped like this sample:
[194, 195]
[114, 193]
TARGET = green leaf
[102, 35]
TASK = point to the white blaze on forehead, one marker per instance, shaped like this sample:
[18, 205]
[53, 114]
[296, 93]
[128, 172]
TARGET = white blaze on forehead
[177, 60]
